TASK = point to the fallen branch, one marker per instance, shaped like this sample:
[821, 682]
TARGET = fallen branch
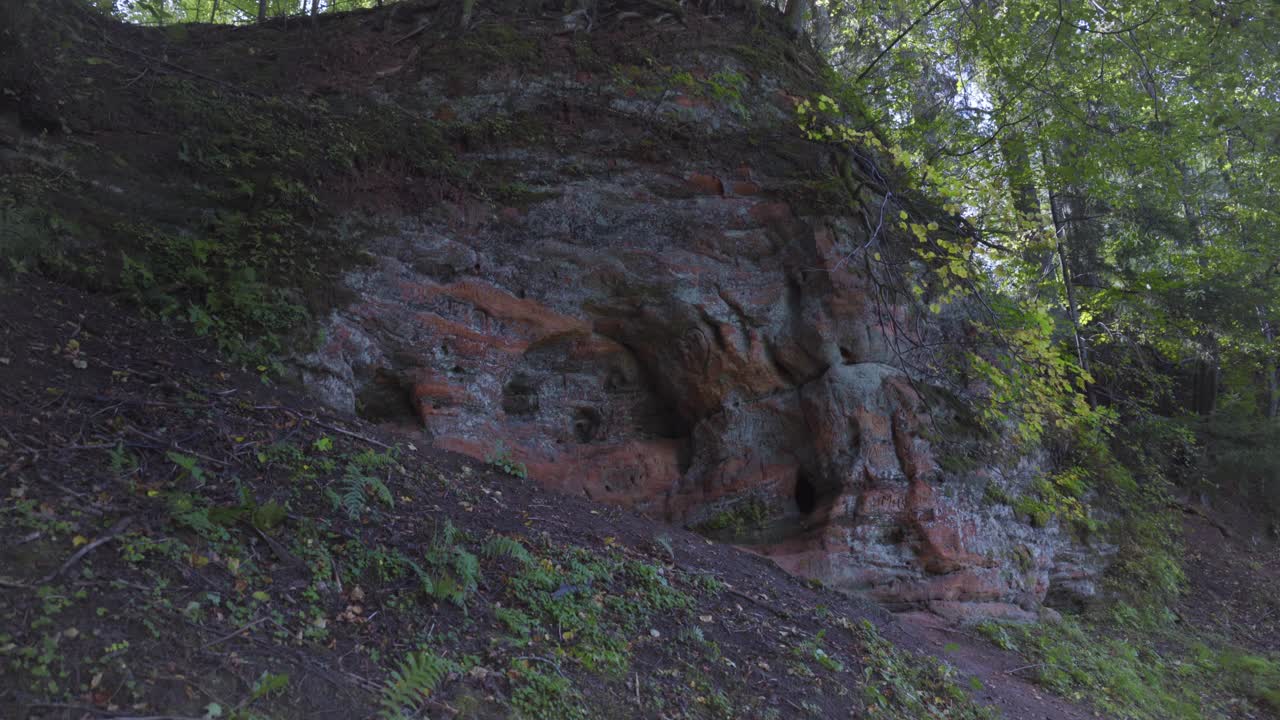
[238, 631]
[331, 428]
[102, 712]
[115, 531]
[111, 534]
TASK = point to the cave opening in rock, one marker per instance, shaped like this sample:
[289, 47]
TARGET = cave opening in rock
[806, 495]
[387, 398]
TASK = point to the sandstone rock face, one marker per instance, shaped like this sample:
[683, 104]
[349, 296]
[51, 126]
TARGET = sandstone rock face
[680, 332]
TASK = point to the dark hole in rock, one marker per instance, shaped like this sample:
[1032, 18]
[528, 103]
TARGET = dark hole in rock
[847, 355]
[586, 423]
[520, 395]
[388, 398]
[806, 495]
[618, 380]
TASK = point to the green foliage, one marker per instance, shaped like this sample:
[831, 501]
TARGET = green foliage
[452, 572]
[247, 316]
[813, 650]
[1132, 666]
[741, 517]
[900, 686]
[269, 684]
[194, 512]
[417, 676]
[592, 604]
[502, 459]
[28, 237]
[504, 546]
[357, 488]
[540, 695]
[1135, 271]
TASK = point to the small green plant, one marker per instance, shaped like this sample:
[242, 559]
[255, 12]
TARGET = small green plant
[269, 684]
[417, 676]
[502, 459]
[997, 634]
[902, 686]
[544, 696]
[503, 546]
[741, 517]
[452, 572]
[813, 650]
[189, 466]
[194, 512]
[357, 487]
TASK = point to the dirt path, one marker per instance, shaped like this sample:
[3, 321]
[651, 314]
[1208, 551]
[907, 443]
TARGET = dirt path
[1000, 671]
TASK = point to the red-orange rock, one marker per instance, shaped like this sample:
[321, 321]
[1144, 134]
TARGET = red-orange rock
[718, 359]
[705, 184]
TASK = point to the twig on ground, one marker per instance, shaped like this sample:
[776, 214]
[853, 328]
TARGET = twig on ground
[331, 428]
[238, 631]
[102, 712]
[111, 534]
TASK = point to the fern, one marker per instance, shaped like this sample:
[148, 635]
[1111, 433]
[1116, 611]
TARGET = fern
[454, 571]
[503, 546]
[416, 677]
[380, 490]
[351, 500]
[356, 488]
[467, 567]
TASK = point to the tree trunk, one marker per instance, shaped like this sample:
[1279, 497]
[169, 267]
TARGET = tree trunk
[1068, 283]
[1026, 204]
[315, 7]
[1061, 238]
[213, 16]
[797, 12]
[262, 10]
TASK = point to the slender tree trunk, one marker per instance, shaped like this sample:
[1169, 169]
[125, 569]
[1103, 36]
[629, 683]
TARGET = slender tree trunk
[262, 10]
[1061, 238]
[795, 15]
[1068, 282]
[1026, 204]
[315, 7]
[213, 15]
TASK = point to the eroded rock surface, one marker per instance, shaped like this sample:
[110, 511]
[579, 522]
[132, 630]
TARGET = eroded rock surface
[666, 321]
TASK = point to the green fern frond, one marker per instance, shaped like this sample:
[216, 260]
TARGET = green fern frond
[446, 536]
[380, 491]
[467, 566]
[352, 501]
[416, 677]
[503, 546]
[447, 587]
